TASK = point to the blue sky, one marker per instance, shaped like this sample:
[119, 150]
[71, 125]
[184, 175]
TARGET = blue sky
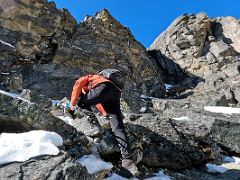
[147, 19]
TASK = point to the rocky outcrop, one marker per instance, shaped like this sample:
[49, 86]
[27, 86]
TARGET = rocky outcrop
[228, 31]
[30, 32]
[202, 53]
[34, 27]
[195, 42]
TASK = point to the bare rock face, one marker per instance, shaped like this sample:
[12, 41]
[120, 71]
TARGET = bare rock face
[206, 53]
[30, 32]
[184, 38]
[230, 31]
[192, 174]
[35, 26]
[166, 145]
[44, 49]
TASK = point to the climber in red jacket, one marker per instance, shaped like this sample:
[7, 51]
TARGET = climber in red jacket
[97, 90]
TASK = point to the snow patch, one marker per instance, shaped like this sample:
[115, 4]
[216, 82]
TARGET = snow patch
[14, 95]
[216, 169]
[222, 109]
[233, 159]
[6, 43]
[3, 73]
[184, 118]
[55, 102]
[143, 110]
[147, 98]
[94, 164]
[115, 176]
[23, 146]
[168, 87]
[236, 160]
[228, 159]
[160, 176]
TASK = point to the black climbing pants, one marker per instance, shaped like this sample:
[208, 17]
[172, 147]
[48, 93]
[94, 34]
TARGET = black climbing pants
[109, 96]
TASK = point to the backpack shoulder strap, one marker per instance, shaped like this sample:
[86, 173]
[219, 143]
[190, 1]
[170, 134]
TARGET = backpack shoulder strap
[115, 86]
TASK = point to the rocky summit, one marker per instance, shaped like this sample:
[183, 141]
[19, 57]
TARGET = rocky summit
[180, 103]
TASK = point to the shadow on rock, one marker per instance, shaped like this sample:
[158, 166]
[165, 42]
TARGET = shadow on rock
[173, 74]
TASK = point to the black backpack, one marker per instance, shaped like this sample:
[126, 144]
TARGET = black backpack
[114, 75]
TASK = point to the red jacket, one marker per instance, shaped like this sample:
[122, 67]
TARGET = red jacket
[83, 85]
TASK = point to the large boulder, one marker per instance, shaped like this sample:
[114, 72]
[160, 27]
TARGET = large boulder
[192, 119]
[184, 38]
